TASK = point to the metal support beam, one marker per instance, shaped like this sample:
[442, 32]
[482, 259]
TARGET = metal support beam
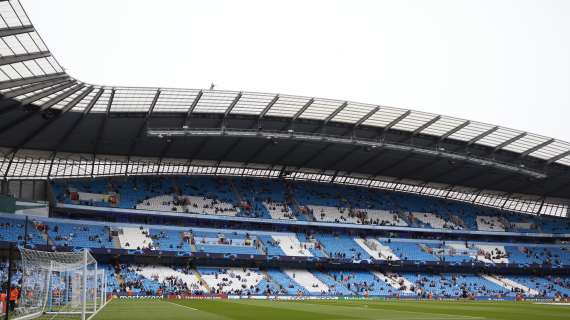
[367, 161]
[34, 87]
[193, 106]
[261, 149]
[16, 30]
[303, 108]
[143, 125]
[23, 57]
[69, 131]
[366, 117]
[425, 125]
[61, 97]
[454, 130]
[16, 122]
[22, 82]
[315, 155]
[337, 111]
[268, 107]
[395, 121]
[536, 148]
[76, 100]
[48, 92]
[232, 105]
[101, 128]
[185, 122]
[43, 126]
[506, 143]
[8, 106]
[343, 157]
[482, 135]
[558, 157]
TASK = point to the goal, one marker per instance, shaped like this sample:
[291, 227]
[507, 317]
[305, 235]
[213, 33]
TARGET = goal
[63, 285]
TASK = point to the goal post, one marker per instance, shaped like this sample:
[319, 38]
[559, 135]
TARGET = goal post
[65, 285]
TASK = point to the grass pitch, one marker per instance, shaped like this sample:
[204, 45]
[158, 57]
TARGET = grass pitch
[327, 309]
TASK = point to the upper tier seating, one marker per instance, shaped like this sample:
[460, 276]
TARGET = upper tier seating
[287, 200]
[487, 223]
[189, 204]
[135, 238]
[266, 198]
[434, 221]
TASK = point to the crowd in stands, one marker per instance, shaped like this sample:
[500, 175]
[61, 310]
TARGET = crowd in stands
[142, 280]
[282, 199]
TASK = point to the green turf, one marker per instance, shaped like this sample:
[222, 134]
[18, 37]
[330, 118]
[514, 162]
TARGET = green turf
[329, 310]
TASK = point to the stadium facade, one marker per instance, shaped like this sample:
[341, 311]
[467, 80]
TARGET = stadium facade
[315, 196]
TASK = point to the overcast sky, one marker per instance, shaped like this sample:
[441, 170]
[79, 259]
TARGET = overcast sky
[501, 62]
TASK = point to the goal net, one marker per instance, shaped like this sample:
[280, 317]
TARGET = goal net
[63, 285]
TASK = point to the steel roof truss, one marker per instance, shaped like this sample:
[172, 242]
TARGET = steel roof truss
[22, 82]
[23, 57]
[558, 157]
[16, 31]
[337, 111]
[49, 92]
[34, 87]
[193, 106]
[425, 125]
[76, 100]
[536, 148]
[300, 112]
[268, 107]
[233, 104]
[511, 140]
[454, 130]
[482, 135]
[395, 121]
[60, 97]
[366, 117]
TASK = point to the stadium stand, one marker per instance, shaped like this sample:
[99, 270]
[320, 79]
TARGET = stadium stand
[212, 193]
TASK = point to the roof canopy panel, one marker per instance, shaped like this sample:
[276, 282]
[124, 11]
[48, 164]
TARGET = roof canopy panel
[36, 91]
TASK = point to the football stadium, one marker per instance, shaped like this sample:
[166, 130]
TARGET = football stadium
[144, 203]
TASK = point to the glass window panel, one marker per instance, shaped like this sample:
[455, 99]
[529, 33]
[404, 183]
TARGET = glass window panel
[525, 143]
[471, 131]
[252, 103]
[353, 112]
[321, 109]
[81, 105]
[215, 101]
[14, 44]
[555, 148]
[443, 126]
[413, 121]
[384, 116]
[102, 102]
[498, 137]
[287, 106]
[173, 100]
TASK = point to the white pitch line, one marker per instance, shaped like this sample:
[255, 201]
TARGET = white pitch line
[100, 308]
[187, 307]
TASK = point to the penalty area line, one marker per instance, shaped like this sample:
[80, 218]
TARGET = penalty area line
[181, 306]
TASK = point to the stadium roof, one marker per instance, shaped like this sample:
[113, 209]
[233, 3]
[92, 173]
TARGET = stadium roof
[52, 125]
